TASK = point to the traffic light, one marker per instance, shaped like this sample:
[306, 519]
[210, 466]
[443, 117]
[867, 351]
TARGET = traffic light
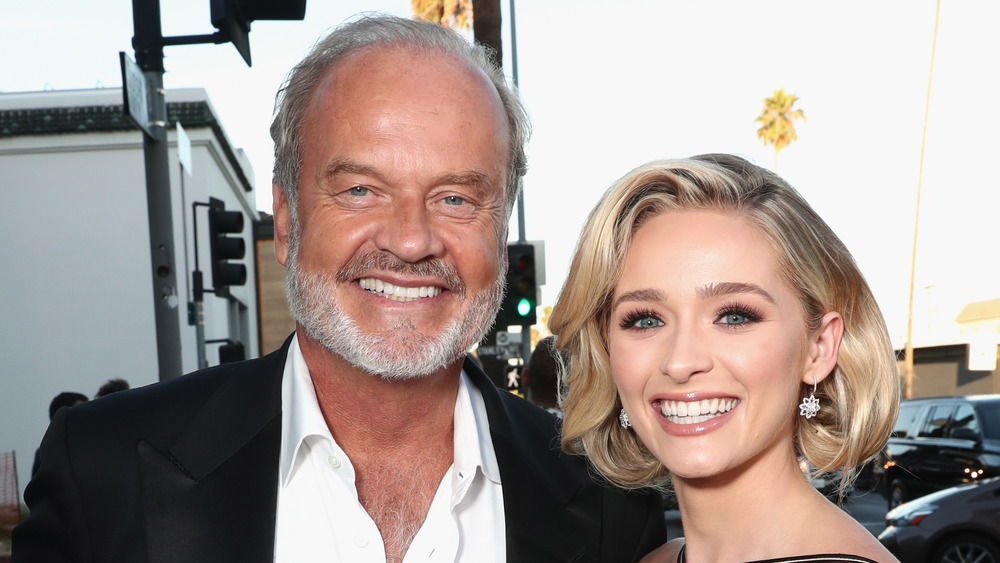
[522, 287]
[222, 223]
[232, 18]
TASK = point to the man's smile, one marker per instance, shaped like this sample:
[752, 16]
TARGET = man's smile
[398, 292]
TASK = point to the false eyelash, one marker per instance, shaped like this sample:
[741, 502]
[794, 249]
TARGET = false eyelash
[752, 314]
[629, 320]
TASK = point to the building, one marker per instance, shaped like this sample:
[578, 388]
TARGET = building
[965, 363]
[76, 283]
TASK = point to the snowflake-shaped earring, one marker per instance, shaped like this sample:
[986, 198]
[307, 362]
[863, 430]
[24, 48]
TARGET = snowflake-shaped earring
[623, 419]
[810, 405]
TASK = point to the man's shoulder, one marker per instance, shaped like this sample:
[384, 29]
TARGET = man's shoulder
[171, 404]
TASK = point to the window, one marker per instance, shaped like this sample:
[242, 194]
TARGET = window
[990, 413]
[907, 416]
[937, 422]
[965, 417]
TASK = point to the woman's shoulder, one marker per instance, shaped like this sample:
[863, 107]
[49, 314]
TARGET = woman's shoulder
[666, 553]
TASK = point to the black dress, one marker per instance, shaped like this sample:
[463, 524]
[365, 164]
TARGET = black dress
[817, 558]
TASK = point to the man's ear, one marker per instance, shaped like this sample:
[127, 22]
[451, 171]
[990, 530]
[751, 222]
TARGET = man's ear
[824, 345]
[282, 223]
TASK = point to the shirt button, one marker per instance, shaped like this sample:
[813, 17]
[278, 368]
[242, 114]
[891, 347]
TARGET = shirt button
[360, 541]
[334, 461]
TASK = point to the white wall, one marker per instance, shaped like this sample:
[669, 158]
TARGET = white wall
[75, 284]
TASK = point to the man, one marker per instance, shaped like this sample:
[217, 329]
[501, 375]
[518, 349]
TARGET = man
[398, 151]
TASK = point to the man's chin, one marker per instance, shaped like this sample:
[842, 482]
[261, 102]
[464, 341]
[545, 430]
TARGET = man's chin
[398, 354]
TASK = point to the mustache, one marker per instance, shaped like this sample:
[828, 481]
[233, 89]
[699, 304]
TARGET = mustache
[372, 260]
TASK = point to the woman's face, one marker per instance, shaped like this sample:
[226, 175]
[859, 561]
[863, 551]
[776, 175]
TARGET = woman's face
[708, 344]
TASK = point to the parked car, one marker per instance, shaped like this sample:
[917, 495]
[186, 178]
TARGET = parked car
[957, 524]
[939, 442]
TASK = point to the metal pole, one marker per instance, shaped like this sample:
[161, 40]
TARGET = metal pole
[521, 236]
[908, 353]
[148, 43]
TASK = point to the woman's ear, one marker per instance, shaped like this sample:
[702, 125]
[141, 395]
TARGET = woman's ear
[824, 345]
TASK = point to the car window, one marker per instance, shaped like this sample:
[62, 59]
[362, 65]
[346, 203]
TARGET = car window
[990, 413]
[907, 415]
[965, 417]
[937, 421]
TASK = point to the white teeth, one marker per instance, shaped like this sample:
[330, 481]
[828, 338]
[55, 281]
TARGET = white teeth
[695, 411]
[398, 292]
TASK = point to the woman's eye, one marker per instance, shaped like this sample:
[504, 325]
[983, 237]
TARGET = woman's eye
[641, 321]
[647, 322]
[733, 319]
[738, 316]
[358, 191]
[454, 200]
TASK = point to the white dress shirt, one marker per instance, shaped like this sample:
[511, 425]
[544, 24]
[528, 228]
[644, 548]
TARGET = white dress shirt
[319, 517]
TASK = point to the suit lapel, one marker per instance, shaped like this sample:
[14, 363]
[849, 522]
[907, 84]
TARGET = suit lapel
[212, 495]
[548, 500]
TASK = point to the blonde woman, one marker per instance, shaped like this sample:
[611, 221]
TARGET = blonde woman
[716, 331]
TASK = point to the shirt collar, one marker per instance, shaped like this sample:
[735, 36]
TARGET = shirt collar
[302, 419]
[473, 444]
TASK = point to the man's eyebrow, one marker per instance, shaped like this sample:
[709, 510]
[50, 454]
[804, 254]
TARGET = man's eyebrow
[349, 166]
[729, 288]
[480, 181]
[645, 294]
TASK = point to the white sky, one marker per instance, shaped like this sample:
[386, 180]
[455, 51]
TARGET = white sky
[611, 88]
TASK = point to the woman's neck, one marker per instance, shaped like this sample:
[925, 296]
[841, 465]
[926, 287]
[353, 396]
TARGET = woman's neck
[761, 511]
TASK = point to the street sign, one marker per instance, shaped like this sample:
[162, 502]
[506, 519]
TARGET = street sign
[500, 352]
[136, 93]
[183, 148]
[505, 338]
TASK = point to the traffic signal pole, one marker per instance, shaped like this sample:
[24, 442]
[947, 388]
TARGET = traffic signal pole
[148, 44]
[232, 18]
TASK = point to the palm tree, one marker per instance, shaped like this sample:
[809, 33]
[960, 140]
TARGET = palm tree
[777, 121]
[456, 14]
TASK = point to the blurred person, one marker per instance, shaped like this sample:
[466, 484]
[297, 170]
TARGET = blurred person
[112, 386]
[369, 436]
[540, 376]
[64, 399]
[716, 330]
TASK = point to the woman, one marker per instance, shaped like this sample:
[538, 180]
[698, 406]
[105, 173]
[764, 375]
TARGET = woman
[717, 331]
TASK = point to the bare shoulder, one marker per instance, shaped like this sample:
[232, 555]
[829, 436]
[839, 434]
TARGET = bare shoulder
[666, 553]
[843, 534]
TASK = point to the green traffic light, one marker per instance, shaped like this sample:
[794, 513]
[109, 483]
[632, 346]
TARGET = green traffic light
[524, 307]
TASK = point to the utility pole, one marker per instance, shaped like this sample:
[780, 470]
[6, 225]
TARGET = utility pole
[148, 45]
[232, 18]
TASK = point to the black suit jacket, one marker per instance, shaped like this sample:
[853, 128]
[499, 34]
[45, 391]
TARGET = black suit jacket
[187, 471]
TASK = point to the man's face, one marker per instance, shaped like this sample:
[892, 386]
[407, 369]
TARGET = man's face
[394, 263]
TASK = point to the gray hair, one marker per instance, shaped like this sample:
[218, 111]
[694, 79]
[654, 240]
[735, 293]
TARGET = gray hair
[379, 30]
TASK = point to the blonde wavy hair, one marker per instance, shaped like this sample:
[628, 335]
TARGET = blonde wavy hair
[860, 400]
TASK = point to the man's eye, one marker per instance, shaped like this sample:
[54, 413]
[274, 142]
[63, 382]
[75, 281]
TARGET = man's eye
[358, 191]
[454, 200]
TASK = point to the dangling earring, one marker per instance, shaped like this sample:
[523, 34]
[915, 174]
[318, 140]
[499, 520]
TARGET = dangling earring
[623, 419]
[810, 404]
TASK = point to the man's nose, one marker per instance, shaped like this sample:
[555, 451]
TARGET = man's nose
[409, 232]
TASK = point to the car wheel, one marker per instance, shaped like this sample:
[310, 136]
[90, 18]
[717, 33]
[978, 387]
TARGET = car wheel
[967, 548]
[897, 493]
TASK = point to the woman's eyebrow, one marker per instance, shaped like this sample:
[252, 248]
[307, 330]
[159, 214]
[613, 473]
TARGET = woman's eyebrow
[729, 288]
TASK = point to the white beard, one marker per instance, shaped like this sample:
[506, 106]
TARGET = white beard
[401, 351]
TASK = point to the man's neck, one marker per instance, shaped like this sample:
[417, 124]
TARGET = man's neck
[399, 436]
[367, 413]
